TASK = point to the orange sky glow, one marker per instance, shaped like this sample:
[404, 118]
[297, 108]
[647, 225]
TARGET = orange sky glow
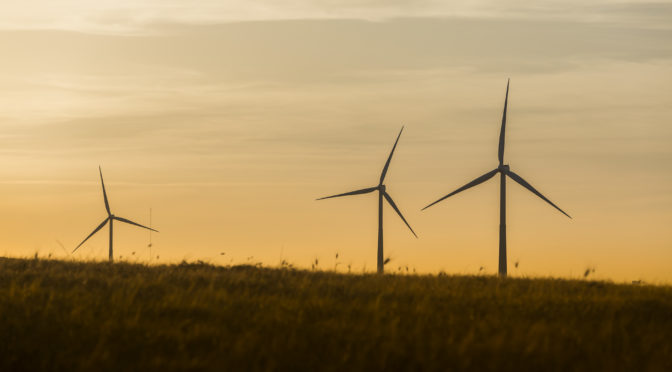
[230, 120]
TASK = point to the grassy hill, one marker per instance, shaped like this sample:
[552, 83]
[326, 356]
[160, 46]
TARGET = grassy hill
[57, 315]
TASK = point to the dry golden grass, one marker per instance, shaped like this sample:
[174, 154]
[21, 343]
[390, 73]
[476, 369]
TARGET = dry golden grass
[57, 315]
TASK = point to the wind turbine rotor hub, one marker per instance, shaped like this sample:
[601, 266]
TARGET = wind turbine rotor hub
[503, 168]
[381, 188]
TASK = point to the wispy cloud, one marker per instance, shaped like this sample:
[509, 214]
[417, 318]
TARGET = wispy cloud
[140, 16]
[279, 101]
[199, 88]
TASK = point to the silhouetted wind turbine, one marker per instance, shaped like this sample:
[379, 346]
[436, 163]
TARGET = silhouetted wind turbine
[382, 193]
[504, 171]
[110, 218]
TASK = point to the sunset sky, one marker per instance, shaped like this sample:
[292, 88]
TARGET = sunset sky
[229, 118]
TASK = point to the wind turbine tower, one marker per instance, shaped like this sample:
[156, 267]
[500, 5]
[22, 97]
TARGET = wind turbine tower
[503, 170]
[382, 193]
[110, 218]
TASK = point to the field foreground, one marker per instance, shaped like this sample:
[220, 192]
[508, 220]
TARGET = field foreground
[57, 315]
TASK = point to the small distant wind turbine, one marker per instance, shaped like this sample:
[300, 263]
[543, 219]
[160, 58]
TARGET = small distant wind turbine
[382, 193]
[504, 171]
[110, 218]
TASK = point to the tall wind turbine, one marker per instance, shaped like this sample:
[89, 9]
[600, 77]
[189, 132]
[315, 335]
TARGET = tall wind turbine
[503, 170]
[382, 193]
[110, 218]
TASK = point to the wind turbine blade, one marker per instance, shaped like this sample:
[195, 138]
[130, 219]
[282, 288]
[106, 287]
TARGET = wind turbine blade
[90, 235]
[471, 184]
[107, 205]
[387, 164]
[389, 200]
[362, 191]
[526, 185]
[133, 223]
[503, 130]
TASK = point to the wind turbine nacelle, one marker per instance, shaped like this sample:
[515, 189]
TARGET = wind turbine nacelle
[381, 188]
[504, 168]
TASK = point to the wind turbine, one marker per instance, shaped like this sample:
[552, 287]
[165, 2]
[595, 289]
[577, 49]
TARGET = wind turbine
[382, 193]
[504, 170]
[110, 218]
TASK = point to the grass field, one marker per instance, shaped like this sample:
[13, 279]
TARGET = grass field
[58, 315]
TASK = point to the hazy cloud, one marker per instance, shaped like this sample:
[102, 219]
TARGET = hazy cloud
[132, 16]
[279, 111]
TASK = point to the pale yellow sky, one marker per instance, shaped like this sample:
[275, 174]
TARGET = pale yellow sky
[229, 120]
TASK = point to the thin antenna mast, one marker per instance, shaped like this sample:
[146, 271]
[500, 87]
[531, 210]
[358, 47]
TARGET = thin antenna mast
[150, 235]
